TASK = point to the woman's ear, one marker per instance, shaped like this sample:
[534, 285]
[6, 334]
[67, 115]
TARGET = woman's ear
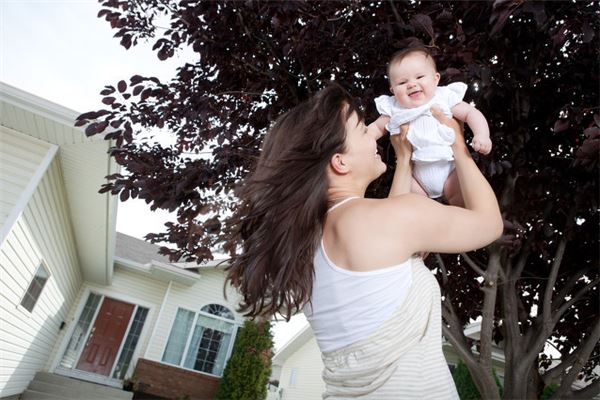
[337, 164]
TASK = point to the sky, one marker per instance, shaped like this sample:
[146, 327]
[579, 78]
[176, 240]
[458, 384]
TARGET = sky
[59, 50]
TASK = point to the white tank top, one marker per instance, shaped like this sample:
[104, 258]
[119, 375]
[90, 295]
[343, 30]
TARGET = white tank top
[347, 306]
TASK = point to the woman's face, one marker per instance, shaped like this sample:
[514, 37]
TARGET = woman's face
[361, 150]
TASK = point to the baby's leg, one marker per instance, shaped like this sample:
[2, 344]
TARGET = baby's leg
[452, 190]
[415, 187]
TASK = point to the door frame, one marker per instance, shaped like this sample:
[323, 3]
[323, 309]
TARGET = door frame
[88, 376]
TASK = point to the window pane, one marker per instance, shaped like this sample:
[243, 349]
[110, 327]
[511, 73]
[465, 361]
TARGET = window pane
[35, 288]
[209, 345]
[78, 337]
[178, 337]
[132, 339]
[218, 310]
[28, 303]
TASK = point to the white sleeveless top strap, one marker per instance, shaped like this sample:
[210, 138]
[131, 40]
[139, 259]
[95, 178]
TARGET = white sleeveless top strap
[347, 306]
[342, 202]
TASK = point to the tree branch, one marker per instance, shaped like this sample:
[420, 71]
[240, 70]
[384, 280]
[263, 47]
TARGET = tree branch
[522, 262]
[511, 319]
[587, 392]
[545, 328]
[547, 301]
[460, 346]
[580, 360]
[572, 282]
[455, 333]
[442, 265]
[473, 264]
[396, 14]
[559, 312]
[489, 305]
[552, 374]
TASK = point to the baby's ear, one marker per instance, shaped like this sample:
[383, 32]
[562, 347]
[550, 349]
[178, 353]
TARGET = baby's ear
[437, 77]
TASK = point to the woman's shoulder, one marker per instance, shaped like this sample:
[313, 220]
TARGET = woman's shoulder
[372, 225]
[365, 212]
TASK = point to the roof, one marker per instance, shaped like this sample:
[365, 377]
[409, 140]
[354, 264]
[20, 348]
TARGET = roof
[143, 257]
[84, 163]
[138, 250]
[293, 345]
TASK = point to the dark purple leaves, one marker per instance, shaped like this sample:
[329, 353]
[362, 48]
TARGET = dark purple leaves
[122, 86]
[137, 90]
[108, 100]
[561, 125]
[423, 22]
[245, 49]
[136, 79]
[501, 12]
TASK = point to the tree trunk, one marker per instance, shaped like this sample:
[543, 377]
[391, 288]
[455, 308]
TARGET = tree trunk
[515, 387]
[535, 384]
[486, 384]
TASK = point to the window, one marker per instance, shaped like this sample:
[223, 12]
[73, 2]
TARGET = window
[201, 340]
[130, 342]
[35, 288]
[293, 377]
[80, 332]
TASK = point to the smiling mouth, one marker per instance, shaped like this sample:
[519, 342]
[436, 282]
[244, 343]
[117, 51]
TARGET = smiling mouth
[415, 94]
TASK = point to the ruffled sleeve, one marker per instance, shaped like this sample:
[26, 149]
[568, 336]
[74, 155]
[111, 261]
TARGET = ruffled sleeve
[453, 93]
[384, 105]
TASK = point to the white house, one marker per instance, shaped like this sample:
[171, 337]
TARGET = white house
[78, 300]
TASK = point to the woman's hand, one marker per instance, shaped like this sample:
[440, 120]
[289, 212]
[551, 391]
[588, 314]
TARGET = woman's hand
[459, 144]
[400, 143]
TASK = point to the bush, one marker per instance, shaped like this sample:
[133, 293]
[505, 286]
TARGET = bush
[464, 383]
[247, 372]
[549, 391]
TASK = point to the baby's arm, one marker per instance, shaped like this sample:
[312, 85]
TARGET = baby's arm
[378, 126]
[478, 124]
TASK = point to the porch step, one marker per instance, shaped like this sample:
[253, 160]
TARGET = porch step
[47, 386]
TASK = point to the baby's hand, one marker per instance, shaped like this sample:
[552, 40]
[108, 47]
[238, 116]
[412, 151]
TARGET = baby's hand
[482, 144]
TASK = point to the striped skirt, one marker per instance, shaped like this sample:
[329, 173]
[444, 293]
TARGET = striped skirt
[403, 358]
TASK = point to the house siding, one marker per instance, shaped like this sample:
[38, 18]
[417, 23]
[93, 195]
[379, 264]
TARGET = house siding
[127, 286]
[307, 363]
[44, 125]
[209, 289]
[20, 157]
[145, 289]
[42, 233]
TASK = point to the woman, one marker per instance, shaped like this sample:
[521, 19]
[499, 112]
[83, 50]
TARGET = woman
[312, 241]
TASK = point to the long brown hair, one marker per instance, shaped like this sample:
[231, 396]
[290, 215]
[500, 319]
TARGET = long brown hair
[283, 204]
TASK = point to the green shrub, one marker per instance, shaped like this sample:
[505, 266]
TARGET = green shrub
[247, 372]
[549, 391]
[464, 383]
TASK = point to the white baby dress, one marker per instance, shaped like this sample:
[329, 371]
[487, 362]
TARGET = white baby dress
[431, 141]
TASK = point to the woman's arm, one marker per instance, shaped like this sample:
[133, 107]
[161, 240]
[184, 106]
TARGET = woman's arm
[378, 126]
[478, 124]
[421, 224]
[403, 173]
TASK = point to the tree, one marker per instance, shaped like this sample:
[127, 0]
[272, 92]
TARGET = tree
[247, 372]
[464, 383]
[532, 70]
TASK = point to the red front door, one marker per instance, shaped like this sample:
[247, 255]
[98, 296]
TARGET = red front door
[105, 337]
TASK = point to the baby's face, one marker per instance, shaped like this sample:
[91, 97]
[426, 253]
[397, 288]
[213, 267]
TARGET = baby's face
[414, 80]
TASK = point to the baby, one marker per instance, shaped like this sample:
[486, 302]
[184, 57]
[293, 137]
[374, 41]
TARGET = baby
[414, 82]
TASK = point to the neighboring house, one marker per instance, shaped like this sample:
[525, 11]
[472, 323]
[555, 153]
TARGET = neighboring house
[76, 298]
[298, 365]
